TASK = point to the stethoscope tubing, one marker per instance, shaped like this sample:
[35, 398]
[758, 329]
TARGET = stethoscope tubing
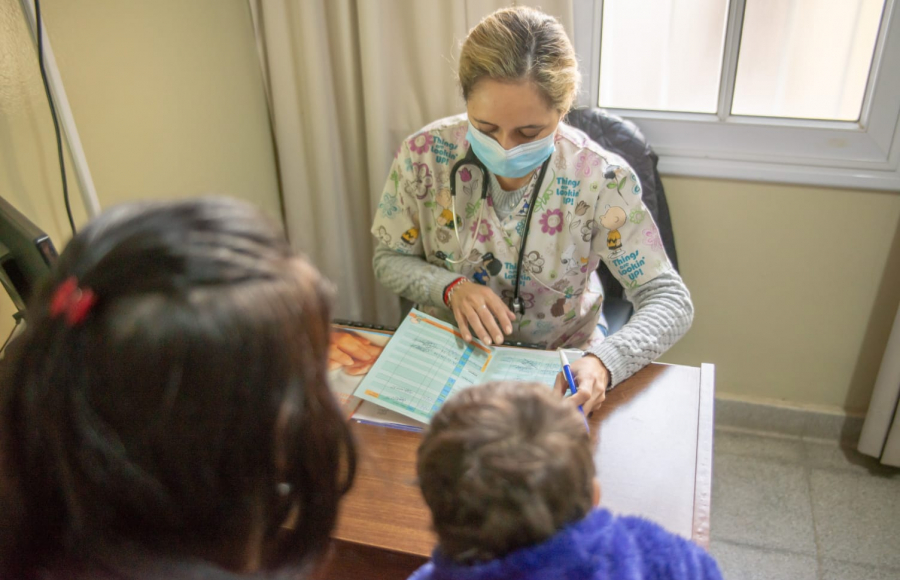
[517, 306]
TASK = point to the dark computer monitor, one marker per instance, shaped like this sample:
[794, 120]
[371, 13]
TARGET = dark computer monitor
[26, 254]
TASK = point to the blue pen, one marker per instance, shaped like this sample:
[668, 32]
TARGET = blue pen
[567, 371]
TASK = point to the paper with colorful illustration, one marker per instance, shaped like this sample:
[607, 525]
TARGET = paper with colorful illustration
[427, 360]
[351, 355]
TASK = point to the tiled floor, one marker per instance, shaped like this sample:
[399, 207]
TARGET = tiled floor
[797, 509]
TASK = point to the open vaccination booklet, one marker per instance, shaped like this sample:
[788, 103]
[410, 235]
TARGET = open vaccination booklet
[427, 360]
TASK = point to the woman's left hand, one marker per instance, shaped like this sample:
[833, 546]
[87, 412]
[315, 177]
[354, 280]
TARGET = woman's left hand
[591, 379]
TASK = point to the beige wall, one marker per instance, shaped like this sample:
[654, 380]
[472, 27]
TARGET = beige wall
[795, 287]
[167, 96]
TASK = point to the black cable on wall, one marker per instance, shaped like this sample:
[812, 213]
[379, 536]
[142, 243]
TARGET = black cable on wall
[59, 145]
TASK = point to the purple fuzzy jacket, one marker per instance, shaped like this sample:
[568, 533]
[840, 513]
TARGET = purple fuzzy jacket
[600, 546]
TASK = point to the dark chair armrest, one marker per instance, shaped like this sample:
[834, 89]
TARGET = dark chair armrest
[617, 312]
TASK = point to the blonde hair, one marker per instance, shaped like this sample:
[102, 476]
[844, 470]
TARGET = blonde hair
[520, 43]
[503, 466]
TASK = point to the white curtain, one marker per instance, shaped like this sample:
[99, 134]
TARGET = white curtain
[347, 81]
[880, 436]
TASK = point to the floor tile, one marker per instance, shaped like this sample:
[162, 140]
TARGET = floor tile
[830, 455]
[765, 418]
[746, 563]
[857, 517]
[834, 427]
[788, 449]
[761, 503]
[832, 570]
[787, 421]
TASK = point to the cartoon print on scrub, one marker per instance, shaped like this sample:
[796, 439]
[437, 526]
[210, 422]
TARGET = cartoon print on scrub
[563, 308]
[520, 228]
[443, 200]
[533, 263]
[589, 230]
[474, 255]
[568, 258]
[411, 236]
[613, 219]
[482, 230]
[652, 239]
[564, 286]
[459, 135]
[423, 185]
[388, 204]
[573, 224]
[524, 210]
[540, 291]
[395, 177]
[441, 255]
[472, 209]
[619, 177]
[586, 162]
[637, 188]
[440, 177]
[552, 221]
[421, 143]
[544, 326]
[569, 261]
[542, 199]
[561, 163]
[384, 236]
[511, 247]
[490, 266]
[470, 187]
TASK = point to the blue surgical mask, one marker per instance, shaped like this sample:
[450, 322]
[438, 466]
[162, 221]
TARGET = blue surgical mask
[516, 162]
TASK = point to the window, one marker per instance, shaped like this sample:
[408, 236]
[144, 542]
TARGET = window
[802, 91]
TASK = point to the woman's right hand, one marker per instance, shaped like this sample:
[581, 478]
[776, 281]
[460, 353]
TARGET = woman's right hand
[479, 308]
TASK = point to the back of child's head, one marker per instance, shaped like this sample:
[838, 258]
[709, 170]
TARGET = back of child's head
[504, 466]
[170, 392]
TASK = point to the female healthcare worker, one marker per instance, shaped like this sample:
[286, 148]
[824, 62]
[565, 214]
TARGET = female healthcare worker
[498, 218]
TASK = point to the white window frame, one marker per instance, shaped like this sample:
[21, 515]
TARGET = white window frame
[856, 155]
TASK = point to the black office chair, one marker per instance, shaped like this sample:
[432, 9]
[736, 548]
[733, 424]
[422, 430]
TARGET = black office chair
[623, 137]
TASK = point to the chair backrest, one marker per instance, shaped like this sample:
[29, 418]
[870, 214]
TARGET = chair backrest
[623, 137]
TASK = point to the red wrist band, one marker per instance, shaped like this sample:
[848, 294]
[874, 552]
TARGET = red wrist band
[449, 289]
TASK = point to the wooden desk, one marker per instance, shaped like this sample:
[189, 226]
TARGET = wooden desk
[653, 451]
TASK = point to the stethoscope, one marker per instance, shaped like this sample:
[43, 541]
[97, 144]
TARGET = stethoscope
[516, 303]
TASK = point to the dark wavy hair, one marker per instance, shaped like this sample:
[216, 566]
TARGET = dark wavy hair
[503, 466]
[188, 410]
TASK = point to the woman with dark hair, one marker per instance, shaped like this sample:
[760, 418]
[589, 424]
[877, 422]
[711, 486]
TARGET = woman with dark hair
[166, 414]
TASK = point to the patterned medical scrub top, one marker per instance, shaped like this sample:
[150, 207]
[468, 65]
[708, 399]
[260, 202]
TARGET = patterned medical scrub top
[588, 208]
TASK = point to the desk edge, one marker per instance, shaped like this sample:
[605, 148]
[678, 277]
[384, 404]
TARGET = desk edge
[703, 479]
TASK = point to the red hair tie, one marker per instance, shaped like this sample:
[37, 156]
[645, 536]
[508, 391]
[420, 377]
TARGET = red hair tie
[75, 302]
